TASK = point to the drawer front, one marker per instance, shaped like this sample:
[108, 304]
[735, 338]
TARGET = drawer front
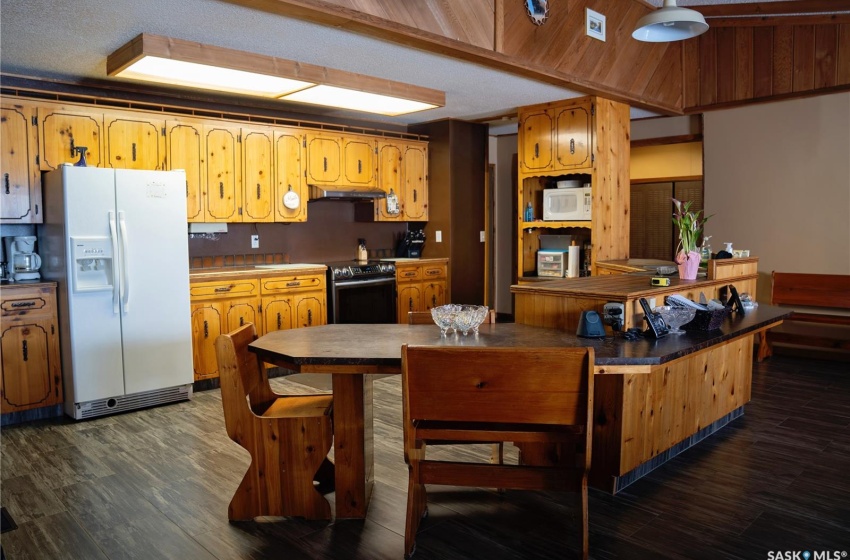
[430, 272]
[26, 301]
[216, 290]
[299, 283]
[408, 273]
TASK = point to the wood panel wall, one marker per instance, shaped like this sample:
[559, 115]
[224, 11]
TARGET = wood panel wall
[732, 65]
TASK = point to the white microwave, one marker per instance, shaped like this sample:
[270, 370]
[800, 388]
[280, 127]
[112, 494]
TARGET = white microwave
[562, 205]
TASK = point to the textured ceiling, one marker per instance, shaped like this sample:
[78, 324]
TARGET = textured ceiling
[68, 40]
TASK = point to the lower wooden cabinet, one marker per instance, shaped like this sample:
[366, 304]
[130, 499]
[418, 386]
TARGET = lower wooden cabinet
[270, 302]
[420, 286]
[29, 338]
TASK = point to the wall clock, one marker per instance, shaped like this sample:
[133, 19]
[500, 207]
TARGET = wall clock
[538, 11]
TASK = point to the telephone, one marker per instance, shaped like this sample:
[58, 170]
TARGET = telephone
[657, 326]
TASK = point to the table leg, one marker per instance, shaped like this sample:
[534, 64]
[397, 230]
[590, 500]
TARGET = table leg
[353, 444]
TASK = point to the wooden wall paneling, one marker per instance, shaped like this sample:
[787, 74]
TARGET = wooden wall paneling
[667, 77]
[826, 49]
[691, 73]
[762, 61]
[804, 57]
[708, 67]
[612, 186]
[843, 54]
[725, 64]
[783, 60]
[743, 63]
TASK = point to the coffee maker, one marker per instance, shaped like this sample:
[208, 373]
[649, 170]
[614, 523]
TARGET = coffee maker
[23, 262]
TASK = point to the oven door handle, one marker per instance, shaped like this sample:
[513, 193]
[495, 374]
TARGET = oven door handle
[372, 282]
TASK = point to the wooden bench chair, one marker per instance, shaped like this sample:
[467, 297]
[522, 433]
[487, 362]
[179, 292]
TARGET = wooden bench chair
[823, 291]
[288, 437]
[531, 395]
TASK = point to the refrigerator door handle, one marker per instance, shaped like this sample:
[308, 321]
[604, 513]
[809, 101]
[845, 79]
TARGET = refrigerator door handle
[125, 276]
[115, 283]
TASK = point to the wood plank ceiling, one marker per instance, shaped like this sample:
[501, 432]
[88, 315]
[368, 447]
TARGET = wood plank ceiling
[753, 51]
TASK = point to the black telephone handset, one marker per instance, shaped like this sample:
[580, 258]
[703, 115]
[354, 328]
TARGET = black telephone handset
[657, 326]
[735, 301]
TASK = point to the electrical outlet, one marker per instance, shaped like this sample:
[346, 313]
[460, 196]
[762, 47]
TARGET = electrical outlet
[439, 235]
[255, 241]
[481, 237]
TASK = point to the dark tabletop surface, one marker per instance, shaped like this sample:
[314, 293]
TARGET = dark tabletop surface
[381, 344]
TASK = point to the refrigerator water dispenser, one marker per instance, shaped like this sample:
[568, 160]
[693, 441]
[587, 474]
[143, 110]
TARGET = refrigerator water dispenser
[93, 269]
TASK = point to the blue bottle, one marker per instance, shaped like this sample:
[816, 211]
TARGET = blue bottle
[529, 213]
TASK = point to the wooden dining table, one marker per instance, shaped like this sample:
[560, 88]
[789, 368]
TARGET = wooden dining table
[350, 353]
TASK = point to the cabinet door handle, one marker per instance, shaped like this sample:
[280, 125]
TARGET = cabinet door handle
[241, 321]
[359, 167]
[258, 191]
[309, 317]
[410, 303]
[325, 164]
[536, 150]
[23, 304]
[434, 300]
[278, 320]
[24, 350]
[221, 189]
[572, 145]
[414, 195]
[224, 289]
[293, 283]
[134, 151]
[73, 148]
[187, 188]
[6, 182]
[206, 329]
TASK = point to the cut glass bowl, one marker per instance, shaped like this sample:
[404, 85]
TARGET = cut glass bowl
[675, 317]
[444, 316]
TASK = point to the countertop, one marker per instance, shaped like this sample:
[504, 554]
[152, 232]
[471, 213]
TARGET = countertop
[380, 345]
[616, 286]
[25, 283]
[255, 271]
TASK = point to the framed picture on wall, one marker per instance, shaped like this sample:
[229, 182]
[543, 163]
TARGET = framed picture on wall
[595, 24]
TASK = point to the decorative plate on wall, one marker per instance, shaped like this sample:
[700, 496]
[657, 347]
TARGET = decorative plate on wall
[538, 11]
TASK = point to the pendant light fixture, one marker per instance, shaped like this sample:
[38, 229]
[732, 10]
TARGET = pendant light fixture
[670, 23]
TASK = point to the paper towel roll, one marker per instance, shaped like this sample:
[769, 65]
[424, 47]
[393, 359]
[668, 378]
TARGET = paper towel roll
[572, 261]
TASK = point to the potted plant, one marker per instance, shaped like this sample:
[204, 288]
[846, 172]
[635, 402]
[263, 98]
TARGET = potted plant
[690, 225]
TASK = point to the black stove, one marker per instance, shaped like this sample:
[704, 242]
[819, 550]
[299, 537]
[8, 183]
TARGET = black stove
[361, 292]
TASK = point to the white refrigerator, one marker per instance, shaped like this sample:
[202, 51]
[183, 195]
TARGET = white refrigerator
[115, 241]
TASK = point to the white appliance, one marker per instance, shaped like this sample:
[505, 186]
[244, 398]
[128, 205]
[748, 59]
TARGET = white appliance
[563, 205]
[23, 261]
[115, 242]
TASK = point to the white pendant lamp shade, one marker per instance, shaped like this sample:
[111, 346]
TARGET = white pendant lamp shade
[670, 23]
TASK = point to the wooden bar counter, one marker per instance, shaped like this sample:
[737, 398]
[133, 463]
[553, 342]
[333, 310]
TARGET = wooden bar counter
[648, 410]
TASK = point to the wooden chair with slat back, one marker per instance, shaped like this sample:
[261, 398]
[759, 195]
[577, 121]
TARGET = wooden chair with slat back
[497, 454]
[288, 437]
[529, 395]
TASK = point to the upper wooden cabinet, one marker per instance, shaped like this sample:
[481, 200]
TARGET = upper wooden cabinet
[257, 174]
[289, 176]
[184, 149]
[134, 141]
[223, 200]
[402, 174]
[324, 158]
[20, 190]
[359, 161]
[553, 139]
[63, 129]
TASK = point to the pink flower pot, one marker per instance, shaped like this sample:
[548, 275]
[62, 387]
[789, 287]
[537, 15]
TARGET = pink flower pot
[688, 265]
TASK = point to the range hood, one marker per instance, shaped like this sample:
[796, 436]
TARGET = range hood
[345, 192]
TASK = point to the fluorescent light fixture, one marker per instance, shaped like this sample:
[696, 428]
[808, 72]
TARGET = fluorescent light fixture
[332, 96]
[192, 74]
[670, 23]
[163, 60]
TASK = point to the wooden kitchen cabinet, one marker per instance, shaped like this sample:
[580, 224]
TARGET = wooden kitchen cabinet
[63, 129]
[421, 286]
[556, 137]
[184, 149]
[134, 141]
[29, 348]
[324, 158]
[589, 142]
[402, 171]
[359, 160]
[219, 307]
[293, 301]
[20, 190]
[222, 188]
[257, 174]
[289, 174]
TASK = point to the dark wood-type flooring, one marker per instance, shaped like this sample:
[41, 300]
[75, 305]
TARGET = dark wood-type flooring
[156, 484]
